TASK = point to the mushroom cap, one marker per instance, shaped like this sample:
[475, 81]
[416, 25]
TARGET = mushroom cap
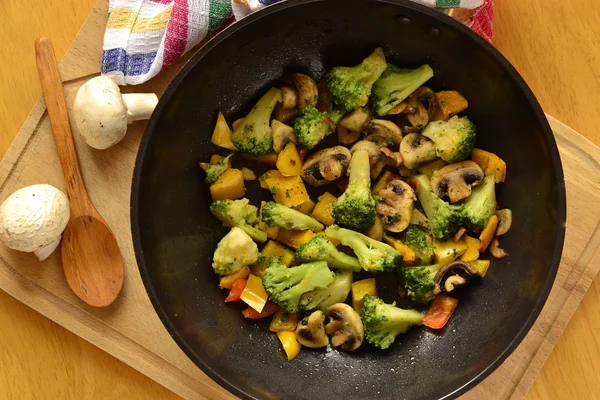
[345, 327]
[310, 331]
[100, 113]
[417, 149]
[33, 217]
[326, 165]
[458, 272]
[306, 89]
[384, 133]
[455, 180]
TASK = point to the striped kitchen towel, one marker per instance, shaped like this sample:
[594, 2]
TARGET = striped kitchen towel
[143, 37]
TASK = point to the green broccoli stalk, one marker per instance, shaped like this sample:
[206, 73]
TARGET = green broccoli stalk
[479, 207]
[274, 214]
[454, 139]
[350, 87]
[235, 251]
[395, 85]
[420, 243]
[444, 218]
[312, 126]
[254, 136]
[383, 322]
[356, 207]
[320, 248]
[418, 282]
[213, 171]
[322, 299]
[285, 286]
[373, 255]
[239, 213]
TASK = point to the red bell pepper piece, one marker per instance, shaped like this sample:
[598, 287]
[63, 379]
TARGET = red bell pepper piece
[440, 311]
[268, 310]
[236, 290]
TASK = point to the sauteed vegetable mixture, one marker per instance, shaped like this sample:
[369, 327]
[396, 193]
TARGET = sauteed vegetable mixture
[403, 191]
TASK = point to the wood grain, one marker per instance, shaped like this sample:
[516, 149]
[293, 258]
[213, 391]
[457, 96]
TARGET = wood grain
[538, 36]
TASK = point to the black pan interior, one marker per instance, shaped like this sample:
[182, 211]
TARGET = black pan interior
[175, 234]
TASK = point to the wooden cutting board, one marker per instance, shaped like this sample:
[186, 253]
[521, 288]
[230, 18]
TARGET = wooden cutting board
[130, 329]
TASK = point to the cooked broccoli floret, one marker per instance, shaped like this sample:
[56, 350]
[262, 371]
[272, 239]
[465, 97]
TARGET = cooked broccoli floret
[312, 126]
[213, 171]
[454, 139]
[418, 282]
[285, 286]
[444, 218]
[481, 204]
[337, 292]
[350, 87]
[395, 85]
[420, 243]
[274, 214]
[356, 208]
[238, 213]
[320, 248]
[383, 322]
[254, 136]
[373, 255]
[234, 251]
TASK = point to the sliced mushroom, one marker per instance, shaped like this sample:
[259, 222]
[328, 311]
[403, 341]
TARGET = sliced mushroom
[324, 103]
[284, 115]
[496, 250]
[393, 159]
[375, 162]
[282, 135]
[398, 108]
[310, 332]
[421, 106]
[326, 165]
[357, 119]
[459, 233]
[376, 231]
[289, 98]
[384, 133]
[455, 180]
[345, 136]
[345, 327]
[457, 273]
[505, 221]
[416, 149]
[306, 89]
[396, 205]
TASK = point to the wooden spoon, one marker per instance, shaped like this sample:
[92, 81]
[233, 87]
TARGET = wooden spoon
[90, 253]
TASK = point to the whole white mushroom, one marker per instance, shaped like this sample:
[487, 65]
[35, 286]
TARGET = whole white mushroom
[102, 113]
[33, 218]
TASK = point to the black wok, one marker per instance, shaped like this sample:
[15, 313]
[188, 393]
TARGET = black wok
[174, 233]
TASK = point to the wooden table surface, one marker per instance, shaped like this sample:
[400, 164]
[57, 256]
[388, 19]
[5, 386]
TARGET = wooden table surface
[555, 44]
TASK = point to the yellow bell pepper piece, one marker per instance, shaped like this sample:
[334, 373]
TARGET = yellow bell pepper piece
[289, 162]
[481, 266]
[289, 343]
[488, 233]
[472, 252]
[294, 238]
[449, 251]
[254, 293]
[323, 211]
[273, 249]
[306, 207]
[407, 253]
[360, 289]
[227, 281]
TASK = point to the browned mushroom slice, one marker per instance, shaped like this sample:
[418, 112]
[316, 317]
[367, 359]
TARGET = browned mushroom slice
[496, 250]
[454, 274]
[285, 115]
[306, 89]
[384, 133]
[345, 136]
[357, 119]
[310, 332]
[393, 159]
[396, 205]
[505, 221]
[324, 103]
[326, 165]
[416, 149]
[282, 135]
[398, 108]
[455, 180]
[459, 233]
[289, 97]
[421, 106]
[376, 231]
[345, 327]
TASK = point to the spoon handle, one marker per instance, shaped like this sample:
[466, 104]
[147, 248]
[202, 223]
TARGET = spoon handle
[59, 120]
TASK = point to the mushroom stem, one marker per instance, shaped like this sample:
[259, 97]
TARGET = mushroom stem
[139, 105]
[44, 252]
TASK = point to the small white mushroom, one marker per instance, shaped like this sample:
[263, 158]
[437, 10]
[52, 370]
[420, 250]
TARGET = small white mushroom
[102, 113]
[33, 218]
